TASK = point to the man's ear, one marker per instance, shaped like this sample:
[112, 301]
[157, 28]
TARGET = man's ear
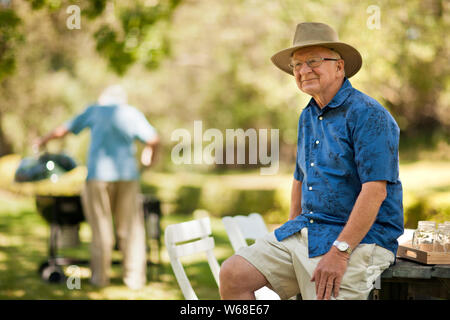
[340, 65]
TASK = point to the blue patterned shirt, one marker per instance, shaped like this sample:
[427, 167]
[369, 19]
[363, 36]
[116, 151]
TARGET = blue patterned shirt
[350, 141]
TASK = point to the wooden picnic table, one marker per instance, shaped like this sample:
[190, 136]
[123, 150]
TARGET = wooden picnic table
[409, 280]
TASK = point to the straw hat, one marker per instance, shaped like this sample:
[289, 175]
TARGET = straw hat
[310, 34]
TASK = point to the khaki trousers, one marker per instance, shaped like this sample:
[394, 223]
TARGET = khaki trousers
[288, 268]
[114, 205]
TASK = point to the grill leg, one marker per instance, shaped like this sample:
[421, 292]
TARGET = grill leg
[53, 246]
[51, 271]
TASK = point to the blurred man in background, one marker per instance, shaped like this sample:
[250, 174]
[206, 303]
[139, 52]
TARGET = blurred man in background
[111, 190]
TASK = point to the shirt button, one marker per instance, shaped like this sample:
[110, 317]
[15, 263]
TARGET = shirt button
[310, 188]
[312, 164]
[320, 118]
[317, 141]
[311, 221]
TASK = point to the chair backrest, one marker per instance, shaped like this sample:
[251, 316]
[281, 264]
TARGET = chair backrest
[189, 238]
[240, 228]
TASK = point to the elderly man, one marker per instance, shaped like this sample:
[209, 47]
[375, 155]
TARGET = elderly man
[111, 189]
[346, 207]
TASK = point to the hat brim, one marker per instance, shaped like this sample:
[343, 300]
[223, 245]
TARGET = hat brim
[352, 58]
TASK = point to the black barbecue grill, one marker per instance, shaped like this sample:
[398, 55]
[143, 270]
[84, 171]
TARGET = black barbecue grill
[58, 211]
[61, 211]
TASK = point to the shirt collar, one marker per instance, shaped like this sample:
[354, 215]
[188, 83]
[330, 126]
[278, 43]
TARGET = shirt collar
[339, 98]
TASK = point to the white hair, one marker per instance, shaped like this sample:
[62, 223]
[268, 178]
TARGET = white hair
[336, 55]
[114, 94]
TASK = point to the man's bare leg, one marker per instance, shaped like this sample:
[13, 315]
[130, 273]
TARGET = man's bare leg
[239, 279]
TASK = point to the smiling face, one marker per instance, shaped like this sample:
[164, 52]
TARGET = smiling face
[321, 80]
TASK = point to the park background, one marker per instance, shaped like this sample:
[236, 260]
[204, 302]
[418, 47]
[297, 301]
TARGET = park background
[208, 60]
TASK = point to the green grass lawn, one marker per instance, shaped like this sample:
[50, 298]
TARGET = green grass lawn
[23, 247]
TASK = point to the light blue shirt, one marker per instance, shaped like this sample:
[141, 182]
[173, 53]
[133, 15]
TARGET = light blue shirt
[350, 141]
[114, 129]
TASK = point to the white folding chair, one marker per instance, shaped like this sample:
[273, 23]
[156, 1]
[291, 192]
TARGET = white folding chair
[198, 233]
[239, 229]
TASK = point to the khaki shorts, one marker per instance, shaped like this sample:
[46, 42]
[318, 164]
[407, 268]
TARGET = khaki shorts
[289, 270]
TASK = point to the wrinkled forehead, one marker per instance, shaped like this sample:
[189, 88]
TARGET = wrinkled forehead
[311, 51]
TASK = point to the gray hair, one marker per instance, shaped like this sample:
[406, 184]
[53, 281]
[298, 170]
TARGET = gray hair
[336, 55]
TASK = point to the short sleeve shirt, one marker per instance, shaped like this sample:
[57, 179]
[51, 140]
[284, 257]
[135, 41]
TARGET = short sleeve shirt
[114, 129]
[351, 141]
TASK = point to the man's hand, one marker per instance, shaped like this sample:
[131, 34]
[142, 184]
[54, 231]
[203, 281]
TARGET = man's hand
[57, 133]
[329, 273]
[149, 151]
[147, 156]
[36, 145]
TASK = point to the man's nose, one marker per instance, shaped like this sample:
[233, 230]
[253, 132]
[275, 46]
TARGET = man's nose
[304, 69]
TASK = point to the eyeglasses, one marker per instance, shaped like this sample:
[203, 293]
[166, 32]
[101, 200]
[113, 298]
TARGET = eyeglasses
[313, 62]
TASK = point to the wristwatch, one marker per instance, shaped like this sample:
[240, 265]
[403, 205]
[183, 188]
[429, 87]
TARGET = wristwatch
[343, 246]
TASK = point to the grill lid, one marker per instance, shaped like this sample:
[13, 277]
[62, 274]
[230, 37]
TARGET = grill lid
[47, 166]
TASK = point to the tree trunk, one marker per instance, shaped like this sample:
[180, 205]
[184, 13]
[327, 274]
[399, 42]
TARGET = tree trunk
[5, 146]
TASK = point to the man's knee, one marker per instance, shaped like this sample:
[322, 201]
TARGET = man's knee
[230, 271]
[238, 275]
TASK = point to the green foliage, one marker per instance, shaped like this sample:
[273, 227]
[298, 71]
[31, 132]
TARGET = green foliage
[416, 211]
[121, 44]
[148, 188]
[188, 199]
[94, 8]
[113, 49]
[210, 61]
[37, 4]
[255, 201]
[136, 39]
[421, 207]
[9, 40]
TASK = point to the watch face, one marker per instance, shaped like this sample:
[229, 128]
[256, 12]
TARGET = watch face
[342, 246]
